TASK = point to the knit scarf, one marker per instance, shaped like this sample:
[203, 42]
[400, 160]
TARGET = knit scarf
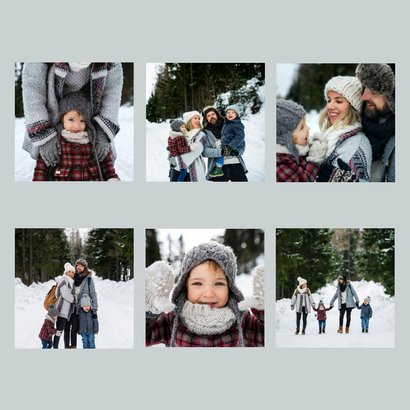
[342, 287]
[302, 290]
[79, 277]
[190, 136]
[76, 67]
[76, 138]
[333, 134]
[378, 133]
[216, 129]
[205, 320]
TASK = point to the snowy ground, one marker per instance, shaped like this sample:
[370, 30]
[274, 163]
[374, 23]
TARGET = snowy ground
[115, 314]
[124, 145]
[381, 328]
[157, 165]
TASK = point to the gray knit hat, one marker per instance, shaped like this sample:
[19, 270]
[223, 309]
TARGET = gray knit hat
[52, 311]
[85, 300]
[367, 299]
[321, 303]
[81, 262]
[380, 79]
[288, 116]
[176, 125]
[226, 259]
[347, 86]
[234, 107]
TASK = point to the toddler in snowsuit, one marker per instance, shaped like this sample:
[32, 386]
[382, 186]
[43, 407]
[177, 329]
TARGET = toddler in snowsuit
[292, 145]
[206, 308]
[178, 145]
[78, 161]
[321, 316]
[48, 330]
[88, 323]
[232, 140]
[365, 314]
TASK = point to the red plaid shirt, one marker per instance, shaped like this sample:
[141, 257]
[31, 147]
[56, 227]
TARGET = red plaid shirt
[77, 163]
[158, 330]
[47, 330]
[288, 170]
[178, 146]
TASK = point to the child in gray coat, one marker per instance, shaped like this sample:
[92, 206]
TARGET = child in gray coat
[88, 323]
[365, 314]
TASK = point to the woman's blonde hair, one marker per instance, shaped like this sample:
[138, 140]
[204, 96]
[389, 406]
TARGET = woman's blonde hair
[351, 117]
[189, 125]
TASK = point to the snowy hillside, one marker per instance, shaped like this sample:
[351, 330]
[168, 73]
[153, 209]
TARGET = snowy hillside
[381, 328]
[124, 145]
[157, 165]
[115, 314]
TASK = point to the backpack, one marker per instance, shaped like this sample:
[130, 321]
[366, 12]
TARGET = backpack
[50, 298]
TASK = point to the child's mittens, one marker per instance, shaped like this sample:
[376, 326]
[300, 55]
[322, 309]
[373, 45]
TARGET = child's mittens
[318, 149]
[302, 149]
[218, 143]
[258, 294]
[159, 281]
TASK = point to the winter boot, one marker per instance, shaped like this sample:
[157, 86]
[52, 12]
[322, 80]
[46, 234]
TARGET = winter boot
[303, 332]
[362, 329]
[367, 330]
[320, 331]
[323, 331]
[347, 330]
[216, 172]
[340, 330]
[297, 331]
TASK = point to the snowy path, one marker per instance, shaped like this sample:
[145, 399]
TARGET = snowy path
[115, 314]
[381, 328]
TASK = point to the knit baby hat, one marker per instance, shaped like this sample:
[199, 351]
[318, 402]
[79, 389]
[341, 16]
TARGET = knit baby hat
[288, 116]
[85, 301]
[68, 267]
[380, 79]
[347, 86]
[301, 281]
[189, 115]
[176, 125]
[52, 311]
[76, 101]
[234, 107]
[321, 303]
[367, 299]
[226, 259]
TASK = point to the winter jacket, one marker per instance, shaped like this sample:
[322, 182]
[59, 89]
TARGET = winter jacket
[177, 144]
[87, 287]
[43, 89]
[353, 148]
[233, 134]
[212, 152]
[351, 297]
[88, 322]
[65, 297]
[47, 330]
[321, 313]
[193, 159]
[301, 299]
[289, 170]
[77, 163]
[158, 330]
[384, 170]
[366, 311]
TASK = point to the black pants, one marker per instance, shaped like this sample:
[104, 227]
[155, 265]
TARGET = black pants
[60, 324]
[302, 314]
[232, 172]
[70, 331]
[342, 311]
[174, 174]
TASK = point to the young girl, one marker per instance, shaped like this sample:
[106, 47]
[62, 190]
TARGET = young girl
[321, 316]
[292, 135]
[78, 160]
[349, 154]
[301, 299]
[365, 314]
[88, 323]
[206, 309]
[48, 330]
[232, 141]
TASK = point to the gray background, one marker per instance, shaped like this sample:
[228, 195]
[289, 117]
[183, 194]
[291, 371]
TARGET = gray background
[212, 31]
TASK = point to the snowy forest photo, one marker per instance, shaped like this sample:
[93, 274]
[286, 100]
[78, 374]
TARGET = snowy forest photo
[173, 89]
[124, 140]
[40, 259]
[366, 257]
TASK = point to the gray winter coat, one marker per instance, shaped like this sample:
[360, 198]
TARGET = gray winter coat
[65, 297]
[43, 89]
[351, 297]
[302, 299]
[385, 170]
[366, 311]
[88, 324]
[87, 287]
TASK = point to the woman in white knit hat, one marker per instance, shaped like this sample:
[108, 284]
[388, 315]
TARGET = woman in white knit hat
[302, 301]
[192, 160]
[349, 154]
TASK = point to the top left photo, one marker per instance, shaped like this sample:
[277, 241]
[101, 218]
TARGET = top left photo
[74, 122]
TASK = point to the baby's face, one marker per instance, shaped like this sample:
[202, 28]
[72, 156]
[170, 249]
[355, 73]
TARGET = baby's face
[86, 308]
[73, 121]
[301, 134]
[208, 285]
[231, 115]
[366, 302]
[183, 129]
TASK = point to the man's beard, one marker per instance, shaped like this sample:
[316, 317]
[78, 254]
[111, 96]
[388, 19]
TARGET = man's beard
[377, 113]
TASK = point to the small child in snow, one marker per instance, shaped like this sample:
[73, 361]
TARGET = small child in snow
[365, 314]
[77, 138]
[232, 140]
[88, 323]
[48, 330]
[206, 308]
[292, 146]
[178, 145]
[321, 316]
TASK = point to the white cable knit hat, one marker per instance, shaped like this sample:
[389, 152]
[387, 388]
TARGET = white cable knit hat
[189, 115]
[301, 281]
[68, 267]
[347, 86]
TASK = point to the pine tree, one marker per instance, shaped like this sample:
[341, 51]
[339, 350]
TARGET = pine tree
[152, 250]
